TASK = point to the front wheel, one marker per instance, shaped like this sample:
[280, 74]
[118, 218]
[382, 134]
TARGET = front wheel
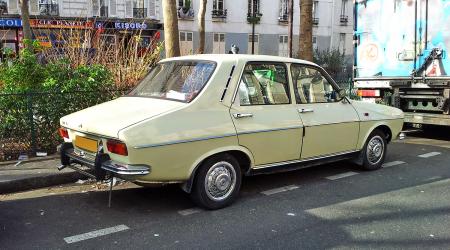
[217, 182]
[374, 151]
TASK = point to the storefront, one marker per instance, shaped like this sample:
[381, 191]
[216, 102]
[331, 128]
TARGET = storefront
[10, 36]
[59, 33]
[119, 32]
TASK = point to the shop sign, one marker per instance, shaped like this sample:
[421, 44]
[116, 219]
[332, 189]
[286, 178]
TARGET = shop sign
[122, 25]
[62, 24]
[13, 23]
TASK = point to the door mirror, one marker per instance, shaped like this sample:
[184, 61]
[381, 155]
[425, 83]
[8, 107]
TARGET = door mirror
[342, 93]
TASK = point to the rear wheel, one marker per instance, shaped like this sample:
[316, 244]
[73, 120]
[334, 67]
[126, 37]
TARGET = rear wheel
[217, 182]
[374, 151]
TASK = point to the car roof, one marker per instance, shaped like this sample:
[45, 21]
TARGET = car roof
[239, 57]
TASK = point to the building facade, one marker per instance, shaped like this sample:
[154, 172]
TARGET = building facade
[227, 22]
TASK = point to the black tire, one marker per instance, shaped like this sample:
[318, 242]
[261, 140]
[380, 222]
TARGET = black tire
[374, 151]
[220, 168]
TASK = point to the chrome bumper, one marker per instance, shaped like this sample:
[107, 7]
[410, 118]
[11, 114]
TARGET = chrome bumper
[93, 162]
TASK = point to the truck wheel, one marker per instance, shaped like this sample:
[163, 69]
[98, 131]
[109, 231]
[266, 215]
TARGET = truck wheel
[217, 182]
[374, 151]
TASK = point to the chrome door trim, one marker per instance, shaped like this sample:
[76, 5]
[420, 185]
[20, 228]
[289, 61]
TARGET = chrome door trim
[276, 164]
[183, 141]
[268, 130]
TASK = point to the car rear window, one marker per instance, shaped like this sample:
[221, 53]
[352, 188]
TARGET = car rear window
[175, 80]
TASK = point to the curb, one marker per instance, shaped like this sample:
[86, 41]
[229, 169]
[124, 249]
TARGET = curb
[34, 159]
[39, 182]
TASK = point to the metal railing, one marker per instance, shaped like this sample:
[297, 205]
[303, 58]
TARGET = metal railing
[315, 21]
[344, 19]
[49, 9]
[283, 18]
[140, 12]
[29, 121]
[219, 13]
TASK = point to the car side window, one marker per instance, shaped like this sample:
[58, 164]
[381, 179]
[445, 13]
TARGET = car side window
[264, 84]
[310, 86]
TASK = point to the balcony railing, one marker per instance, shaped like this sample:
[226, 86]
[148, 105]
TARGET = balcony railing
[139, 12]
[219, 14]
[185, 13]
[315, 20]
[254, 18]
[104, 11]
[344, 19]
[283, 18]
[49, 9]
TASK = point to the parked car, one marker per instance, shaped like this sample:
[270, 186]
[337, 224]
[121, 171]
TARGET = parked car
[204, 121]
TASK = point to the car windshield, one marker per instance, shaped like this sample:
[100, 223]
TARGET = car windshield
[175, 80]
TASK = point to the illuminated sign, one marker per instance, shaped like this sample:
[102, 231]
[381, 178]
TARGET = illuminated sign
[16, 23]
[64, 24]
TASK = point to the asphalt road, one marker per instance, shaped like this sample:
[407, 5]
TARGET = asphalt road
[405, 205]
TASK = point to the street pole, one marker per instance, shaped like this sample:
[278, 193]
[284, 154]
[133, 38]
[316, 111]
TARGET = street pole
[290, 26]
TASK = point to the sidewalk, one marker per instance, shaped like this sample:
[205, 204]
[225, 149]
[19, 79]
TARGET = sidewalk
[33, 174]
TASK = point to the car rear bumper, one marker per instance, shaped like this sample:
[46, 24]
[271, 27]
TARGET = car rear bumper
[100, 163]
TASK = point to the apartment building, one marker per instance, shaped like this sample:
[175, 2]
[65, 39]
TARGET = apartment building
[227, 22]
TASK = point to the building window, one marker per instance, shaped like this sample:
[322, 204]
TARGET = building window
[3, 7]
[185, 10]
[283, 45]
[219, 43]
[315, 8]
[342, 43]
[100, 8]
[139, 9]
[48, 7]
[254, 39]
[253, 6]
[219, 10]
[283, 12]
[344, 16]
[186, 43]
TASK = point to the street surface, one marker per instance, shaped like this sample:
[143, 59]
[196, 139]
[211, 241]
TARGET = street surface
[405, 205]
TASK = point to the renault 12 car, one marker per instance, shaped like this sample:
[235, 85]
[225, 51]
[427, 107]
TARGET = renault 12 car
[205, 121]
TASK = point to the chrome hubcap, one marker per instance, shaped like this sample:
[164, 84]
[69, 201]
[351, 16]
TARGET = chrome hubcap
[220, 181]
[375, 149]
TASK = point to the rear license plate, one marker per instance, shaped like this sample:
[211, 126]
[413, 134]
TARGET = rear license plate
[86, 143]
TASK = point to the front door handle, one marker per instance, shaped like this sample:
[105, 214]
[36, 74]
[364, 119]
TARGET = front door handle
[242, 115]
[305, 110]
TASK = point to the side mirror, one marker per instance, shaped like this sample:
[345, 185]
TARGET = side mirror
[342, 93]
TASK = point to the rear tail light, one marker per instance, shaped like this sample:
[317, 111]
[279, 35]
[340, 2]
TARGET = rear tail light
[117, 147]
[64, 133]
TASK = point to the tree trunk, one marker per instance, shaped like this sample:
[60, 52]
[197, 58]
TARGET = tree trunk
[171, 34]
[201, 26]
[24, 8]
[290, 25]
[305, 48]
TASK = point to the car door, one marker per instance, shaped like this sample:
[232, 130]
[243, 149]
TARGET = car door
[331, 123]
[266, 120]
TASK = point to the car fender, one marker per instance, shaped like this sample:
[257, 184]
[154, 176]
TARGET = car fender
[187, 186]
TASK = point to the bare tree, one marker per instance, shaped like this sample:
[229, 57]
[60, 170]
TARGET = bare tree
[171, 34]
[24, 8]
[305, 48]
[201, 25]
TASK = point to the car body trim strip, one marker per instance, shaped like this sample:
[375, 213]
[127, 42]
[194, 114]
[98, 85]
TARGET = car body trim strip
[183, 141]
[268, 130]
[276, 164]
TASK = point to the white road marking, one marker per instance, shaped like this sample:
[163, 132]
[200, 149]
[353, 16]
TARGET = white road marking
[392, 163]
[96, 233]
[339, 176]
[189, 211]
[429, 154]
[279, 190]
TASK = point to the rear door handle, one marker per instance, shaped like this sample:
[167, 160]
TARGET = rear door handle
[242, 115]
[305, 110]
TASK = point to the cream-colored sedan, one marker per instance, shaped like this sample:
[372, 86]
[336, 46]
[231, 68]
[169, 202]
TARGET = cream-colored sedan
[205, 121]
